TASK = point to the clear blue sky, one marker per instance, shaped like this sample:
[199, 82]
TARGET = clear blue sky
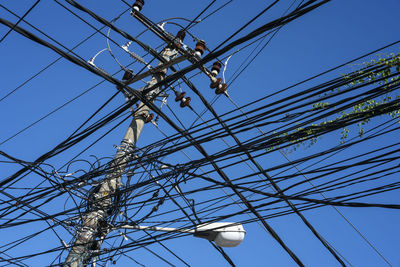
[331, 35]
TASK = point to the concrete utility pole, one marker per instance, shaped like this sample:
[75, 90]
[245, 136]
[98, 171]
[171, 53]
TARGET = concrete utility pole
[95, 222]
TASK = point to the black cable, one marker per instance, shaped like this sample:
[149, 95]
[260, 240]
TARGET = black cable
[19, 20]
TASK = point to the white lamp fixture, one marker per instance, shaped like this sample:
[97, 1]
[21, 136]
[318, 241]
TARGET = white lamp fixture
[224, 234]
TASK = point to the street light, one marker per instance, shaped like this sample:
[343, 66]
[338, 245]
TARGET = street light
[224, 234]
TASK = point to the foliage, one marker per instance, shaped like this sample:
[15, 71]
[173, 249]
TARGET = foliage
[384, 73]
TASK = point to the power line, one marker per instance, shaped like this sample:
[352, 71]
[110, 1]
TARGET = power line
[19, 20]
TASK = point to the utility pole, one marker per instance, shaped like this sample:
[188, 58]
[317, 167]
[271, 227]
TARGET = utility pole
[94, 227]
[94, 223]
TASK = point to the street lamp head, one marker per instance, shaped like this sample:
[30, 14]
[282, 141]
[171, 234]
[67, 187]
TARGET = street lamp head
[224, 234]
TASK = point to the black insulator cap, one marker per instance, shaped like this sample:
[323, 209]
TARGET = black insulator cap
[181, 35]
[216, 66]
[127, 75]
[139, 4]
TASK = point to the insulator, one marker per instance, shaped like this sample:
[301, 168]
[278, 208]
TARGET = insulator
[128, 75]
[221, 89]
[181, 35]
[138, 5]
[149, 118]
[216, 68]
[215, 84]
[200, 47]
[179, 96]
[185, 102]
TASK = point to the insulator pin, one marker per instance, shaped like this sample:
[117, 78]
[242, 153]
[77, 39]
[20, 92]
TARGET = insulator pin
[138, 5]
[200, 47]
[216, 68]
